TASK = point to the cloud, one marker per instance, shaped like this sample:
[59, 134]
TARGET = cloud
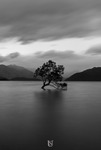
[58, 55]
[13, 55]
[96, 50]
[31, 20]
[9, 57]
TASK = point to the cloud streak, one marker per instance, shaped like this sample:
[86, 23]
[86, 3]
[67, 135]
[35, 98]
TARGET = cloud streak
[48, 19]
[52, 54]
[9, 57]
[96, 50]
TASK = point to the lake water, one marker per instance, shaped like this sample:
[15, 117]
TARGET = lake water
[29, 116]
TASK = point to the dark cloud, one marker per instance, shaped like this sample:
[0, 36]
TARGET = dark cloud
[13, 55]
[94, 50]
[9, 57]
[61, 55]
[31, 20]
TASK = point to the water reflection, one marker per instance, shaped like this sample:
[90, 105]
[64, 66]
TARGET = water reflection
[29, 116]
[50, 110]
[50, 97]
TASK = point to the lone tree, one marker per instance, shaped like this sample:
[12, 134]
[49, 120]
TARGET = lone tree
[50, 73]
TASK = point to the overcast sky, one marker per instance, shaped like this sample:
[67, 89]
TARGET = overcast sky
[66, 31]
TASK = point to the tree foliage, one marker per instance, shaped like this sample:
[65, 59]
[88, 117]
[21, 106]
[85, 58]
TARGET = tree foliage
[49, 72]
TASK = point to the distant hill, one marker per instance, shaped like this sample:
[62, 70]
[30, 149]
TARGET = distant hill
[31, 69]
[93, 74]
[12, 72]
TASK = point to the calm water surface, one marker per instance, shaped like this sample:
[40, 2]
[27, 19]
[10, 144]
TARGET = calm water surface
[29, 116]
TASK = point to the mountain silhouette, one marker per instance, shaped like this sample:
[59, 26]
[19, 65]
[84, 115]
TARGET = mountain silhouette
[93, 74]
[13, 72]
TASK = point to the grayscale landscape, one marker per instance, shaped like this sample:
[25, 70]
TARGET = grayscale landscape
[50, 74]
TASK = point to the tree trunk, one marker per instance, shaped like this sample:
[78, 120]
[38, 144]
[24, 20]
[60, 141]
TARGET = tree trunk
[45, 84]
[43, 87]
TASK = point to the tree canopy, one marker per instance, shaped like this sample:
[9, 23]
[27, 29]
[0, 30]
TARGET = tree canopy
[49, 73]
